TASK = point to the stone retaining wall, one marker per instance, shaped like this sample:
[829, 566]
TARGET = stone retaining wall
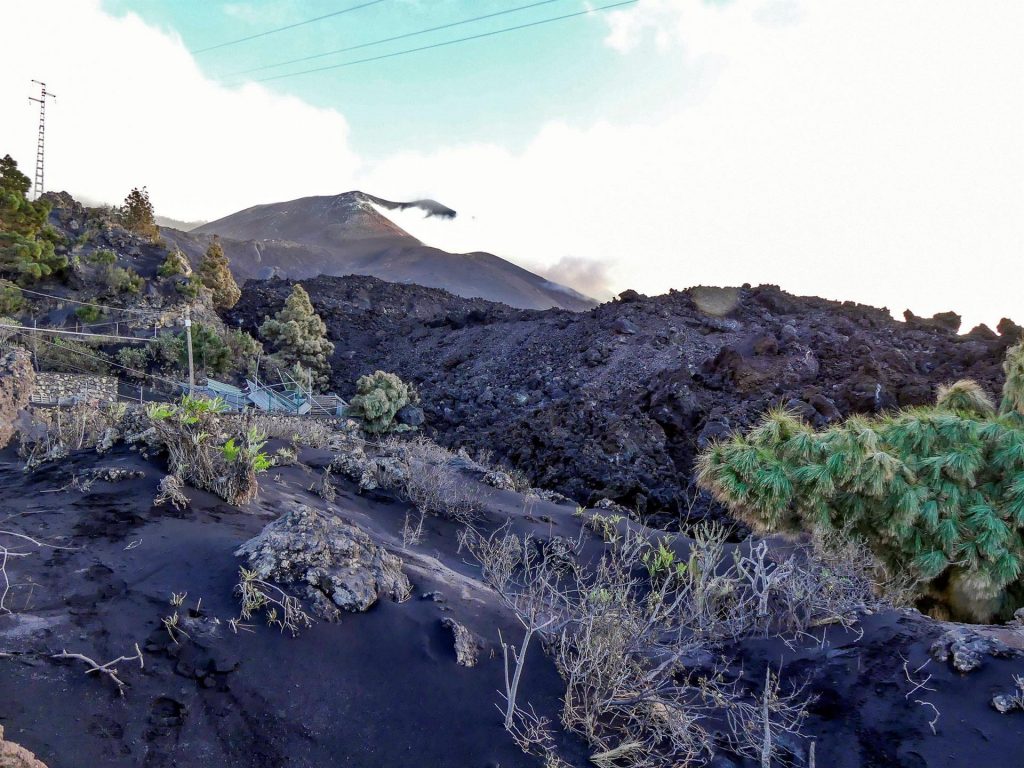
[55, 387]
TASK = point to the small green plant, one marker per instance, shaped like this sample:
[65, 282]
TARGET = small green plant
[249, 451]
[190, 287]
[121, 280]
[231, 450]
[661, 562]
[175, 264]
[605, 526]
[188, 430]
[102, 257]
[89, 314]
[194, 408]
[160, 411]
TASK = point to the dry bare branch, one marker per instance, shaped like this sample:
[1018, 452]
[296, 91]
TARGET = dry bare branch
[109, 669]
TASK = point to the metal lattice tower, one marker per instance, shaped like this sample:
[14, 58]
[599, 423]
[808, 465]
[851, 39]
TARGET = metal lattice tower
[38, 186]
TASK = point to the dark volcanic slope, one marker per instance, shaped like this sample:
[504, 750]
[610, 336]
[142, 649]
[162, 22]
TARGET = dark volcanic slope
[376, 690]
[345, 234]
[380, 689]
[616, 401]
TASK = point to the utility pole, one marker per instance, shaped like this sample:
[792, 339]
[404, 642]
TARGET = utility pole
[38, 186]
[188, 341]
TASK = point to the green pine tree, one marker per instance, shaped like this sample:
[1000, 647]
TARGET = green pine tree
[26, 242]
[137, 214]
[215, 272]
[300, 337]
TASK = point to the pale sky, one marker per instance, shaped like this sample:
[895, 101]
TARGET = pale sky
[870, 150]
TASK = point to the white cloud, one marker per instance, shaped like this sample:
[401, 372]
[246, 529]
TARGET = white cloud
[867, 151]
[133, 108]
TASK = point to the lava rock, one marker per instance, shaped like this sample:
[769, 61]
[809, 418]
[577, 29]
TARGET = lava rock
[625, 326]
[967, 649]
[336, 564]
[467, 647]
[410, 415]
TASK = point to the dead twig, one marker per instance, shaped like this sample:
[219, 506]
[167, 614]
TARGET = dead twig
[109, 669]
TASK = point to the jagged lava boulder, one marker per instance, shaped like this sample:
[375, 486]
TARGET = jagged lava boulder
[335, 564]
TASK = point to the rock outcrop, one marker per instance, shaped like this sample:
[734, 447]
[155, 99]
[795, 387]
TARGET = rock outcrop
[13, 756]
[16, 382]
[334, 564]
[616, 402]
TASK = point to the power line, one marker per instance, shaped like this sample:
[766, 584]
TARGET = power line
[289, 26]
[147, 312]
[452, 42]
[110, 362]
[391, 39]
[62, 332]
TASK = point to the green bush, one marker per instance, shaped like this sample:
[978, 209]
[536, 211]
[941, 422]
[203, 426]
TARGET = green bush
[102, 257]
[121, 280]
[190, 287]
[167, 350]
[937, 492]
[69, 356]
[11, 299]
[379, 397]
[175, 264]
[245, 350]
[190, 430]
[211, 354]
[135, 358]
[87, 313]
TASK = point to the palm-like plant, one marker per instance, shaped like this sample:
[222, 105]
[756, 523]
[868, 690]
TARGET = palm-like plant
[936, 491]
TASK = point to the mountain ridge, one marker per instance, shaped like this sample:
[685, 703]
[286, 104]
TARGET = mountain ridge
[344, 234]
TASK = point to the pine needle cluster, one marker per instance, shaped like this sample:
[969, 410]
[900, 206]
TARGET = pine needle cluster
[937, 491]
